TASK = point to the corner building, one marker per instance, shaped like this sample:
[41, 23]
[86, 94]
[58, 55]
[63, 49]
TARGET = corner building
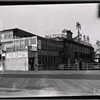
[31, 52]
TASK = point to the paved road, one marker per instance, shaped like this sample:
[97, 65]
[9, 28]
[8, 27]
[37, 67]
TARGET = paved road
[48, 86]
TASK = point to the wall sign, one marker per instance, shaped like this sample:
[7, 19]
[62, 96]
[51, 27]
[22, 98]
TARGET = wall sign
[16, 55]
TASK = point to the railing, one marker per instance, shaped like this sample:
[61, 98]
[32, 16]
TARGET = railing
[91, 66]
[85, 66]
[68, 67]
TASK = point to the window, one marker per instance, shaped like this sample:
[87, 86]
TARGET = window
[27, 42]
[22, 42]
[41, 46]
[48, 47]
[83, 49]
[10, 36]
[33, 41]
[44, 46]
[2, 36]
[52, 47]
[75, 47]
[42, 60]
[16, 43]
[71, 46]
[6, 36]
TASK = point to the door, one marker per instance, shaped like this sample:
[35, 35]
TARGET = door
[31, 63]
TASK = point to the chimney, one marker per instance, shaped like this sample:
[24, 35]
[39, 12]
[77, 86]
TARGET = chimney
[69, 34]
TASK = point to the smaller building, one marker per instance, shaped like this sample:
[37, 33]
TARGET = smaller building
[22, 55]
[20, 60]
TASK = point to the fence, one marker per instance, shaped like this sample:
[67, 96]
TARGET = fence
[85, 66]
[91, 66]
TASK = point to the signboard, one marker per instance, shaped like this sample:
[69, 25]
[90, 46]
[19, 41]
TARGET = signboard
[32, 54]
[20, 54]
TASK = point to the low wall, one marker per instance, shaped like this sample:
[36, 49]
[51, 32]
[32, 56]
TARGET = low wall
[80, 75]
[87, 72]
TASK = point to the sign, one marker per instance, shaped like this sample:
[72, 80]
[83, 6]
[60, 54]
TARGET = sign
[17, 54]
[32, 54]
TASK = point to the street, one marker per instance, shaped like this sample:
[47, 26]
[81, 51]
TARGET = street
[42, 86]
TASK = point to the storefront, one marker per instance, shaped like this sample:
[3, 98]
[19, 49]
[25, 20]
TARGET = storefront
[16, 60]
[21, 60]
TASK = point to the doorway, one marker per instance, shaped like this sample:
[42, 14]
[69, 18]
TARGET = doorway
[31, 64]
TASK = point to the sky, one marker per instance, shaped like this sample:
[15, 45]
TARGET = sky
[45, 19]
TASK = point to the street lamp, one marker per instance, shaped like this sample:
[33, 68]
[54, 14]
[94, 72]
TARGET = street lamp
[78, 26]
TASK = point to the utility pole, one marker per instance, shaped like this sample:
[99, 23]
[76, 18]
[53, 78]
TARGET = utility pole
[78, 26]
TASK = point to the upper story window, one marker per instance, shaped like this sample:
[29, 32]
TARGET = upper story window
[22, 42]
[45, 47]
[2, 36]
[17, 43]
[42, 46]
[10, 35]
[33, 41]
[7, 35]
[27, 42]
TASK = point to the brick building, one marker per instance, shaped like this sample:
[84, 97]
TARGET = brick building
[71, 48]
[26, 51]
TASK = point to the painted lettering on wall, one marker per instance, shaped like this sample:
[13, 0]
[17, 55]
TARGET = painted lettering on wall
[16, 55]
